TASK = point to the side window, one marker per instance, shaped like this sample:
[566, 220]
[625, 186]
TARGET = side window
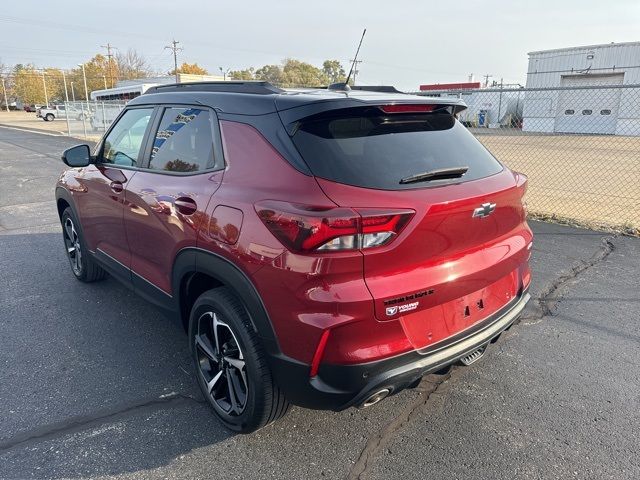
[184, 141]
[122, 145]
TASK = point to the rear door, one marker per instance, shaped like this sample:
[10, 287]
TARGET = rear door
[468, 236]
[167, 199]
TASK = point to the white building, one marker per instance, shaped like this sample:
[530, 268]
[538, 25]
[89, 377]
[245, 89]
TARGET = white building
[572, 105]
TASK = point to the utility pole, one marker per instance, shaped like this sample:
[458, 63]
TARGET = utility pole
[4, 88]
[109, 58]
[355, 63]
[84, 77]
[175, 49]
[44, 84]
[486, 79]
[66, 92]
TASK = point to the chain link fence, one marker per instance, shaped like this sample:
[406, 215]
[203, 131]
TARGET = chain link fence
[579, 146]
[89, 120]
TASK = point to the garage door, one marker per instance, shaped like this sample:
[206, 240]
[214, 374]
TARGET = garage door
[588, 111]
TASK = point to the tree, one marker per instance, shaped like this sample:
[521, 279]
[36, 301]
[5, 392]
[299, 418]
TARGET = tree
[29, 86]
[132, 65]
[190, 68]
[270, 73]
[98, 73]
[334, 71]
[301, 74]
[246, 74]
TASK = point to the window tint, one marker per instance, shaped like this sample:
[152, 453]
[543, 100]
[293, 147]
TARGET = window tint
[606, 111]
[569, 112]
[122, 145]
[373, 150]
[587, 112]
[184, 141]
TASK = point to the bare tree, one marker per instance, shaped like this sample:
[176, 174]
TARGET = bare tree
[132, 65]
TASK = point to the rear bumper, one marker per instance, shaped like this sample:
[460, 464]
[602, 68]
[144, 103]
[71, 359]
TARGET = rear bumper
[337, 387]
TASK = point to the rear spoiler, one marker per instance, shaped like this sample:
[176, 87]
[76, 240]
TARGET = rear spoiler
[292, 115]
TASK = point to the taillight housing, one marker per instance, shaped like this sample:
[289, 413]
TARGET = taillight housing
[306, 229]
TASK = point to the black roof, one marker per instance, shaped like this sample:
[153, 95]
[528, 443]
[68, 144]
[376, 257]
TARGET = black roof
[259, 98]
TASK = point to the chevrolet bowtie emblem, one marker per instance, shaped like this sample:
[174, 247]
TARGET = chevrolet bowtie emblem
[484, 210]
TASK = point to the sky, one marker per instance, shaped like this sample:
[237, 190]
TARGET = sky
[408, 42]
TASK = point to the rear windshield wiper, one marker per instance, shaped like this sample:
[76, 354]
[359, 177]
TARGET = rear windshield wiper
[439, 174]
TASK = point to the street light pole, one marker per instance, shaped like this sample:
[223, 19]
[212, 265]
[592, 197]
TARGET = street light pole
[104, 79]
[4, 88]
[84, 76]
[73, 93]
[44, 84]
[66, 92]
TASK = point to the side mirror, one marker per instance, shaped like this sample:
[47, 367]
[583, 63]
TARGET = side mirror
[78, 156]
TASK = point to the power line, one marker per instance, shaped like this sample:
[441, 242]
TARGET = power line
[356, 70]
[109, 58]
[174, 47]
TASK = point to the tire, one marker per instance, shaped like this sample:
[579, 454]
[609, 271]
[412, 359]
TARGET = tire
[83, 266]
[232, 356]
[49, 117]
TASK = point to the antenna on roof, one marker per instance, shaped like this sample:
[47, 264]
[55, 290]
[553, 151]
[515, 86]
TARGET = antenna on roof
[345, 85]
[355, 59]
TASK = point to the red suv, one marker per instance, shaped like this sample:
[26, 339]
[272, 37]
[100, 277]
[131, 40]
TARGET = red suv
[323, 248]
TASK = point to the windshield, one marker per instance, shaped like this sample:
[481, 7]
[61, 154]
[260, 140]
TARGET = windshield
[367, 148]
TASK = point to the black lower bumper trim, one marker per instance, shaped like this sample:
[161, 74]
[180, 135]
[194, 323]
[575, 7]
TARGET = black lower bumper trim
[337, 387]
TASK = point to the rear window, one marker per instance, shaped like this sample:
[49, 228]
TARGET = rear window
[367, 148]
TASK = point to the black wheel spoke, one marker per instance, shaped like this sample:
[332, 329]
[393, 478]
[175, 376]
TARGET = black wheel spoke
[203, 344]
[232, 393]
[213, 382]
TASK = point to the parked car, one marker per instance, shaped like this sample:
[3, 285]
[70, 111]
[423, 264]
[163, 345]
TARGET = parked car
[50, 113]
[324, 248]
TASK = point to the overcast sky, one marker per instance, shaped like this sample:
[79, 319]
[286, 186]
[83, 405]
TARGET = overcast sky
[407, 42]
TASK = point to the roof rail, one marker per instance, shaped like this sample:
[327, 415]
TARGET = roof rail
[256, 88]
[376, 88]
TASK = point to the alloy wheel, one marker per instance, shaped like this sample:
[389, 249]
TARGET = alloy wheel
[72, 243]
[221, 364]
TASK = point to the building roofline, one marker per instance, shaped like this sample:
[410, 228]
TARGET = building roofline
[584, 47]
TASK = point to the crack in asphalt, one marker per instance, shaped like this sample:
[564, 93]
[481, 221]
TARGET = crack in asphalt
[546, 303]
[427, 388]
[96, 419]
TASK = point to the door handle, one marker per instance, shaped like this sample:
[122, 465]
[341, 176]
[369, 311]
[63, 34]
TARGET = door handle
[116, 186]
[186, 205]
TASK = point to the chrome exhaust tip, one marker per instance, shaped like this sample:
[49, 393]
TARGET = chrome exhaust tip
[376, 397]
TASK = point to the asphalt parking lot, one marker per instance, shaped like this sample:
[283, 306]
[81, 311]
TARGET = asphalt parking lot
[96, 383]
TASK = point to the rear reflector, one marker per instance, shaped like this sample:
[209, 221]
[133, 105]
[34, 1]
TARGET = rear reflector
[404, 108]
[315, 363]
[303, 228]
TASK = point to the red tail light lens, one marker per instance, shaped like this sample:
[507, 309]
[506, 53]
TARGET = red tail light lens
[405, 108]
[303, 228]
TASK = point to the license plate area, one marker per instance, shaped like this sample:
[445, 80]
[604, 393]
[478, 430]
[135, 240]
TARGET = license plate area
[437, 323]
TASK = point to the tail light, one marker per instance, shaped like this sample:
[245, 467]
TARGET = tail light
[408, 108]
[303, 228]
